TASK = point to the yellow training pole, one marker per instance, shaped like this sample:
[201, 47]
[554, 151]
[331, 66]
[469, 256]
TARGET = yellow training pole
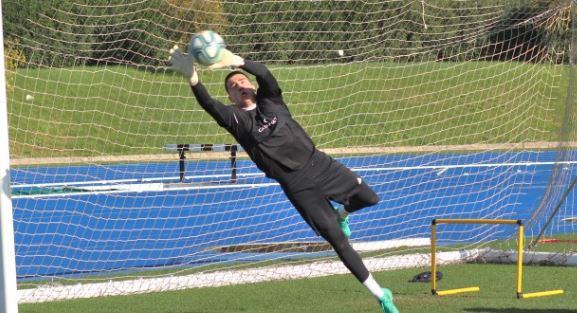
[473, 221]
[542, 293]
[458, 290]
[433, 258]
[520, 294]
[520, 260]
[434, 268]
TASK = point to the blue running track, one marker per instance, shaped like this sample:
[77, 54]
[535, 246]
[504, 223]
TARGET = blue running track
[80, 233]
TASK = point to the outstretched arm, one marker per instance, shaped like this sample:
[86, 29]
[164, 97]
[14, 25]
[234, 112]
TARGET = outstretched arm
[184, 64]
[267, 83]
[220, 112]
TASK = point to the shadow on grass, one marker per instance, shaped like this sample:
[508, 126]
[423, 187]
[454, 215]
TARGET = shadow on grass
[517, 310]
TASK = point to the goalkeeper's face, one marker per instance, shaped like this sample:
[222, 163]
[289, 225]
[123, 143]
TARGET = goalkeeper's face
[240, 90]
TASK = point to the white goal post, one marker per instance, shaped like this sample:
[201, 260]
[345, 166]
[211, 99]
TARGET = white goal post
[8, 296]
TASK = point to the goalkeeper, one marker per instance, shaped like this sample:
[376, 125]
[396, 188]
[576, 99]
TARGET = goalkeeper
[261, 123]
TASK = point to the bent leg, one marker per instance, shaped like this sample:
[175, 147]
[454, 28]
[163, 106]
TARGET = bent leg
[365, 197]
[318, 213]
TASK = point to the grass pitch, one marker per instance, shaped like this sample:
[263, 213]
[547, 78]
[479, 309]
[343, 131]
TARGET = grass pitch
[342, 293]
[89, 111]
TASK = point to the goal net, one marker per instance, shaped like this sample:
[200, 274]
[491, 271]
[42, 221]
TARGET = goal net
[448, 109]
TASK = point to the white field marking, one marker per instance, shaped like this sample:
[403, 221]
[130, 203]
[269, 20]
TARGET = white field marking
[447, 167]
[324, 268]
[109, 187]
[157, 187]
[442, 171]
[132, 180]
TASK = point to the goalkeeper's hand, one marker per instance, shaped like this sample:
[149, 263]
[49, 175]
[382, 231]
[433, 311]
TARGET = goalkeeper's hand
[228, 59]
[184, 64]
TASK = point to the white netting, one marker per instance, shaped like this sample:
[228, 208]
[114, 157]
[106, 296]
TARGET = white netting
[449, 109]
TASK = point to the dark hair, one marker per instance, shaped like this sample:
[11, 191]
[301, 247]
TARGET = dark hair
[231, 74]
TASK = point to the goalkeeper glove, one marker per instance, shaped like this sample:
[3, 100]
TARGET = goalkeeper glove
[183, 63]
[228, 59]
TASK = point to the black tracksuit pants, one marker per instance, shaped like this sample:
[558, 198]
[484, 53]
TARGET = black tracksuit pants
[310, 190]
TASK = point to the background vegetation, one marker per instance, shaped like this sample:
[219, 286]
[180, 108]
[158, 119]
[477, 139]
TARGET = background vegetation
[103, 31]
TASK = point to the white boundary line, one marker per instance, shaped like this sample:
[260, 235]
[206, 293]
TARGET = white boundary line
[132, 180]
[47, 293]
[137, 188]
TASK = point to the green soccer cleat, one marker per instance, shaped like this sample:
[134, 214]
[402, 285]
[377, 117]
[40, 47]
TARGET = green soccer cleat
[343, 223]
[386, 302]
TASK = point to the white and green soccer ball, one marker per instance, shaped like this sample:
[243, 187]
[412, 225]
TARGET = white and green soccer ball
[206, 47]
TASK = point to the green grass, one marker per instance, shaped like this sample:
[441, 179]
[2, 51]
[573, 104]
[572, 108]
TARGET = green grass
[89, 111]
[342, 293]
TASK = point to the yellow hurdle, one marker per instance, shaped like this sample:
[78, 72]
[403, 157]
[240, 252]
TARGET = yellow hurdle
[520, 245]
[434, 290]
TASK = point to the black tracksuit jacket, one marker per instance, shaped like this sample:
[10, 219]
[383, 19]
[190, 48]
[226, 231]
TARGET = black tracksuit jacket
[275, 142]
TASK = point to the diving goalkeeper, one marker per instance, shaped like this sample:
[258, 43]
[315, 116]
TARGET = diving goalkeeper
[261, 122]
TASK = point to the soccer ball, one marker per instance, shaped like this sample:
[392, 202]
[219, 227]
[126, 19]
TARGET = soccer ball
[206, 47]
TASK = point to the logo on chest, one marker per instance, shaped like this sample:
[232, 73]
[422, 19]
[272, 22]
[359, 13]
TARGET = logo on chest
[267, 124]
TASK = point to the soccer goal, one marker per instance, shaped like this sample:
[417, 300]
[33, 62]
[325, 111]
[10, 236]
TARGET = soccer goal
[448, 109]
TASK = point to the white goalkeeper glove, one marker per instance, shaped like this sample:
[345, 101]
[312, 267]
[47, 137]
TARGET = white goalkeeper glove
[228, 59]
[183, 63]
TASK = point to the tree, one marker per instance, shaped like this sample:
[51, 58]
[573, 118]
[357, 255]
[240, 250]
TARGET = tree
[559, 22]
[191, 16]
